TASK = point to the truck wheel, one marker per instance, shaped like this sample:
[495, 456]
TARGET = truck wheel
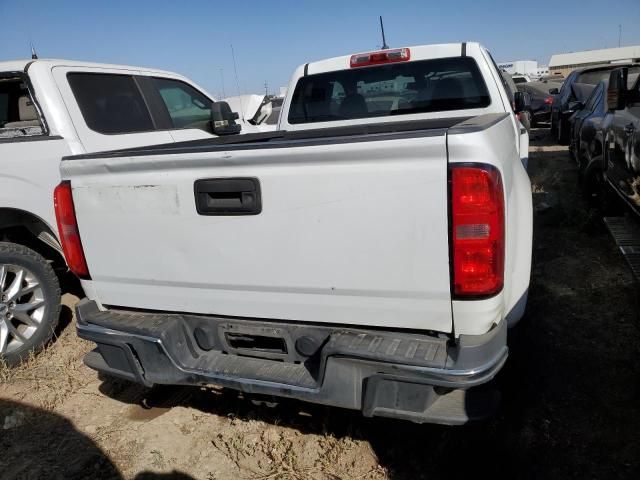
[29, 302]
[563, 134]
[596, 190]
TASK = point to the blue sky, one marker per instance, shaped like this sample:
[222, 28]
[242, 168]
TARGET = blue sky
[271, 38]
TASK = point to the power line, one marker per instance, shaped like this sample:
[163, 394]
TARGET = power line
[224, 95]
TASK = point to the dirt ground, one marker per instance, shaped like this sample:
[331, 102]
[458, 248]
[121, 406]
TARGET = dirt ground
[571, 392]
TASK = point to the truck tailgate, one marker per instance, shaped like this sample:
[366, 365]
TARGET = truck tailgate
[350, 231]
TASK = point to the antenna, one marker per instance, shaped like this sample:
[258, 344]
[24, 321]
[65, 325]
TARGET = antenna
[34, 55]
[224, 95]
[384, 40]
[235, 69]
[266, 88]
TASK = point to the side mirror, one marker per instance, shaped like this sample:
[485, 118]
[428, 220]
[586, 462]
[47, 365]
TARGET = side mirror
[223, 120]
[616, 92]
[522, 101]
[554, 91]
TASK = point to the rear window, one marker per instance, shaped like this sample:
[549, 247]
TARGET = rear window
[109, 103]
[385, 90]
[4, 108]
[593, 78]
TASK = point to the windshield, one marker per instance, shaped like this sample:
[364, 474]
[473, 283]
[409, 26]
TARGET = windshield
[396, 89]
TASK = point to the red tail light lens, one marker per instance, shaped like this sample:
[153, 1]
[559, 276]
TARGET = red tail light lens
[68, 230]
[477, 230]
[548, 100]
[381, 57]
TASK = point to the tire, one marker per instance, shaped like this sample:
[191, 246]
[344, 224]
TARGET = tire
[563, 135]
[553, 130]
[29, 302]
[572, 153]
[598, 193]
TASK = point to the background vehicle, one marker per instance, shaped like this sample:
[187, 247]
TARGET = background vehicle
[316, 264]
[252, 109]
[575, 89]
[517, 79]
[586, 127]
[621, 132]
[52, 108]
[524, 115]
[541, 100]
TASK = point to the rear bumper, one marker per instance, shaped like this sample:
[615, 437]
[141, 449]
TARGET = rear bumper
[418, 377]
[542, 115]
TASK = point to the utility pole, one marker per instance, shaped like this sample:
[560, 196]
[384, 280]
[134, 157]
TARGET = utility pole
[619, 35]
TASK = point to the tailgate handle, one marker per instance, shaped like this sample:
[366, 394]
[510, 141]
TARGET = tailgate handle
[228, 196]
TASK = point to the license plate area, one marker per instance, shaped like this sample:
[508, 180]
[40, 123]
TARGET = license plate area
[257, 341]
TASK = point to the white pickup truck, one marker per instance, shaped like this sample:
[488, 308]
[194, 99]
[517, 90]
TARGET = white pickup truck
[369, 254]
[53, 108]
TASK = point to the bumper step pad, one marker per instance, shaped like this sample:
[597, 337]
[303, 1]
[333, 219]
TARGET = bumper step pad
[419, 377]
[626, 234]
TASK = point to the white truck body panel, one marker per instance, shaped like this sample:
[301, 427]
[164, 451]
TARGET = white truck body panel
[351, 232]
[30, 165]
[34, 183]
[375, 249]
[283, 263]
[497, 147]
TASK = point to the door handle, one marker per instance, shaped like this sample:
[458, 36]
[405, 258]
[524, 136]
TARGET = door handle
[228, 196]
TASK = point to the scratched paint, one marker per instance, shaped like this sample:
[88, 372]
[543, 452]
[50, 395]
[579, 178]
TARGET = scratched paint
[150, 199]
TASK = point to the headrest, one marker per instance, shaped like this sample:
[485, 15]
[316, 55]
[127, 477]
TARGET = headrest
[26, 109]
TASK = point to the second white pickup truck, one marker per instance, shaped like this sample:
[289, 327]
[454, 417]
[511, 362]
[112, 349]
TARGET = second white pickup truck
[53, 108]
[369, 254]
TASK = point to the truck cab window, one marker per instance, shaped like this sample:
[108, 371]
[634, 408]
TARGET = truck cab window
[110, 103]
[18, 114]
[386, 90]
[187, 107]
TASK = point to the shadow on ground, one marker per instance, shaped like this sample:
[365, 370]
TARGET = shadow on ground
[571, 396]
[571, 402]
[35, 457]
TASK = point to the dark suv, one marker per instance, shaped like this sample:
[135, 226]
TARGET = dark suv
[621, 131]
[586, 127]
[575, 89]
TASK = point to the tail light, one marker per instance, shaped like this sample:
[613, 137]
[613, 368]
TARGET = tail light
[68, 230]
[477, 230]
[380, 57]
[548, 100]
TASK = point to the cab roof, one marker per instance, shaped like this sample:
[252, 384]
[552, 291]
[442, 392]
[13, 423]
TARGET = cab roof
[21, 65]
[418, 52]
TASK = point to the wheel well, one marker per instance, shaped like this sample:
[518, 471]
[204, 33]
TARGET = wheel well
[27, 229]
[597, 149]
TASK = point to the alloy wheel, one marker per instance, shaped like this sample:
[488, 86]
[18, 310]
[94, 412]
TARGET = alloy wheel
[22, 307]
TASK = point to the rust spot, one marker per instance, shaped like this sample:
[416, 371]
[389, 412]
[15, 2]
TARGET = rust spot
[635, 187]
